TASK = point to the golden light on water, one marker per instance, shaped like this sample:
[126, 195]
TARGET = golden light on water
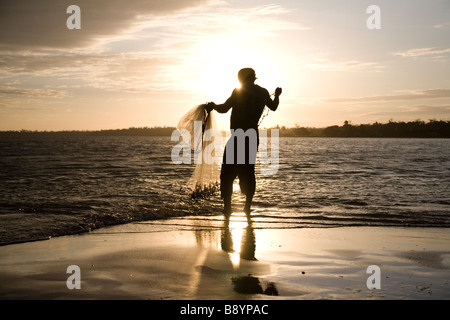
[236, 187]
[237, 226]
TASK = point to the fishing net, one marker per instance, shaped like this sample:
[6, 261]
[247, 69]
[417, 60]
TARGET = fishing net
[201, 133]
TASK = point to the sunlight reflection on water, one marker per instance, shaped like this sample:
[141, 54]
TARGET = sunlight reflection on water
[55, 186]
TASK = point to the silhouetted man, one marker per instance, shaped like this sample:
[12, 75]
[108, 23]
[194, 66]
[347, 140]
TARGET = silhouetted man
[247, 104]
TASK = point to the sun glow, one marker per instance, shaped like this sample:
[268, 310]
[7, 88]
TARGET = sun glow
[220, 65]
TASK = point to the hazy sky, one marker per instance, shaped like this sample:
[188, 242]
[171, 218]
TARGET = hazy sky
[145, 63]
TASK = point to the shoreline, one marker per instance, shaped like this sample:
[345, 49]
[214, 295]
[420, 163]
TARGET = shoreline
[181, 260]
[207, 221]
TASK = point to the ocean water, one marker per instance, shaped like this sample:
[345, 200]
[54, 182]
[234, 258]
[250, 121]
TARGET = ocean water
[52, 186]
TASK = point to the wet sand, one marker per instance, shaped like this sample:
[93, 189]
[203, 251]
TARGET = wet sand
[191, 259]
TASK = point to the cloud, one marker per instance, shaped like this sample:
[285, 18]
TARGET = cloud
[26, 25]
[443, 25]
[350, 65]
[406, 112]
[42, 24]
[410, 95]
[261, 20]
[130, 71]
[171, 44]
[438, 109]
[35, 93]
[422, 52]
[216, 23]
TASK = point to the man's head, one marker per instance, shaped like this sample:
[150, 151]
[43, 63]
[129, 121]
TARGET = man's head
[246, 75]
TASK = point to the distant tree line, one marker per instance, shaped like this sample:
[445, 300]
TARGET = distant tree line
[142, 131]
[412, 129]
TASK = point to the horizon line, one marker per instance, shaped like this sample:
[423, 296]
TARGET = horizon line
[346, 122]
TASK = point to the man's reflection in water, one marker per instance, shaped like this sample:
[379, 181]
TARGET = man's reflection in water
[247, 241]
[226, 241]
[244, 248]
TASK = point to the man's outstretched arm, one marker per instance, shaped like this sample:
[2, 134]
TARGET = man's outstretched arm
[220, 108]
[273, 104]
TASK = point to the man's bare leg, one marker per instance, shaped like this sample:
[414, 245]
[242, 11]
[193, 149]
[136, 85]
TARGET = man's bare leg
[227, 206]
[248, 204]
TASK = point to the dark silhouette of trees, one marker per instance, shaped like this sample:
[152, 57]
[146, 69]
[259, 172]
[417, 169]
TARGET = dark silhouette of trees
[413, 129]
[143, 131]
[392, 129]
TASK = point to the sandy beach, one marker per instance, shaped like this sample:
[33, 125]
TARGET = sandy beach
[187, 259]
